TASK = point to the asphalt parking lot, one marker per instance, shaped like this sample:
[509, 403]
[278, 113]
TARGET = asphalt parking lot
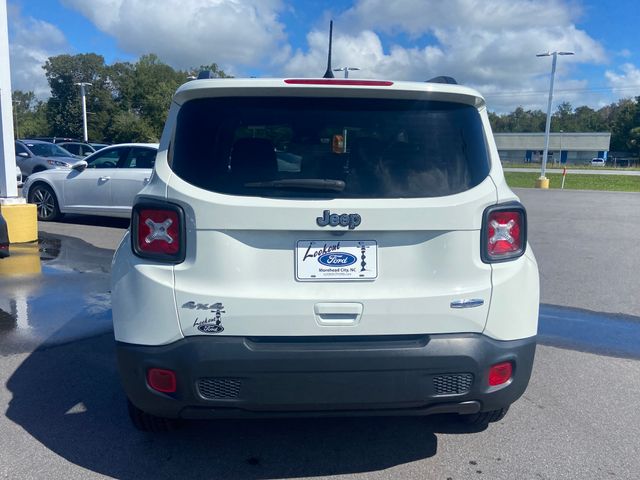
[586, 244]
[65, 417]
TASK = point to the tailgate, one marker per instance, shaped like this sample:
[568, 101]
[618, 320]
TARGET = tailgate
[251, 264]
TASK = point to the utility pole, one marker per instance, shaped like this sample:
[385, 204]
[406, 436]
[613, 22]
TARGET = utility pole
[543, 181]
[83, 94]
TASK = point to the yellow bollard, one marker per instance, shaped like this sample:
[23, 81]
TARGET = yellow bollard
[542, 182]
[22, 221]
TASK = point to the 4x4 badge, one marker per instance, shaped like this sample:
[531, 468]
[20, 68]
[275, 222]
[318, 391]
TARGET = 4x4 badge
[351, 220]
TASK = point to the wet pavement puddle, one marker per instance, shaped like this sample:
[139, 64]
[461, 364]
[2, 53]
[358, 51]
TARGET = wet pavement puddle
[52, 292]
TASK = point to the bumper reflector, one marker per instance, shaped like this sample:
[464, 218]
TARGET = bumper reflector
[162, 380]
[500, 373]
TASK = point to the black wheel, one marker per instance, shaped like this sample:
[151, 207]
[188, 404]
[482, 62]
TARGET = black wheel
[150, 423]
[45, 201]
[484, 418]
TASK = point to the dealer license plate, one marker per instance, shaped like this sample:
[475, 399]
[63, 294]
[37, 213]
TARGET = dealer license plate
[331, 260]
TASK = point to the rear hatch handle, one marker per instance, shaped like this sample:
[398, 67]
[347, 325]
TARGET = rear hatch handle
[338, 314]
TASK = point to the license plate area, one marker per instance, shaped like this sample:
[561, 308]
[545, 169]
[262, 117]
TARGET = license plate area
[336, 260]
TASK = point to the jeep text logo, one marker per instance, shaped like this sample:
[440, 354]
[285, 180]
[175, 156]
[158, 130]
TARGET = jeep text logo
[351, 220]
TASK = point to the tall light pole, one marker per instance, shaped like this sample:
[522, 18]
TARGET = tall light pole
[543, 181]
[83, 94]
[345, 70]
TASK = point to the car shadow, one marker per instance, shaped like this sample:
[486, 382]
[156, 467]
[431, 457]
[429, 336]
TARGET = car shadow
[68, 397]
[95, 220]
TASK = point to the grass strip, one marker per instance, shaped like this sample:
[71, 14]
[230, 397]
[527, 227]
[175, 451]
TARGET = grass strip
[570, 166]
[612, 183]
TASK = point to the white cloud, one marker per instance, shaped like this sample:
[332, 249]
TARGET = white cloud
[188, 33]
[489, 44]
[417, 17]
[31, 43]
[365, 51]
[627, 83]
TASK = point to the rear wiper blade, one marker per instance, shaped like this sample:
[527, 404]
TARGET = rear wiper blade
[308, 183]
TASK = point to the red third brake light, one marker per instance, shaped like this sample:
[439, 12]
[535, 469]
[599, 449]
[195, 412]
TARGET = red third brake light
[503, 233]
[157, 232]
[337, 81]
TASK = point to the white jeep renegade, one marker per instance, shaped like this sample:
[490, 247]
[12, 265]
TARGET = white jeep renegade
[325, 247]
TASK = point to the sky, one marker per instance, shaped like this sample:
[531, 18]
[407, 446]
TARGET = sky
[490, 45]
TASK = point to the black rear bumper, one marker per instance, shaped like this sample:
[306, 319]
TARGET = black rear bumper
[387, 375]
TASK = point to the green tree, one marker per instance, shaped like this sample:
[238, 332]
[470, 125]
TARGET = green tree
[122, 96]
[121, 79]
[563, 119]
[213, 68]
[588, 120]
[30, 117]
[144, 90]
[623, 117]
[154, 85]
[633, 141]
[520, 120]
[129, 127]
[496, 122]
[64, 111]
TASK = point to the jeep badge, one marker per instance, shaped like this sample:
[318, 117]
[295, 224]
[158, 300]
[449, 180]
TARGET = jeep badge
[351, 220]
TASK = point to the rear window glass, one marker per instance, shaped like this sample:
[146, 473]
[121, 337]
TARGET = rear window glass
[329, 147]
[48, 150]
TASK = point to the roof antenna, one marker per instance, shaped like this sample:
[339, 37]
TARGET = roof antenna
[329, 72]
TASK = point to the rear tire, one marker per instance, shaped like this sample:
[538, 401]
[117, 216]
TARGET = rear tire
[146, 422]
[46, 202]
[484, 418]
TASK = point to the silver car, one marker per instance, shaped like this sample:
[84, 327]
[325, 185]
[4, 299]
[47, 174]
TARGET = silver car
[36, 156]
[105, 183]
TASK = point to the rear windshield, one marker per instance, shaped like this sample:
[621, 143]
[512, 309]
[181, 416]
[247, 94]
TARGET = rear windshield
[329, 147]
[48, 150]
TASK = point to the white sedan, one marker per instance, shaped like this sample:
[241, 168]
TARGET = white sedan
[104, 183]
